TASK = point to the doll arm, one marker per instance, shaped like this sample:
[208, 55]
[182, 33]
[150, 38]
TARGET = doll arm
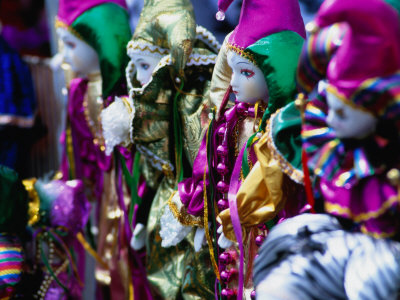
[116, 121]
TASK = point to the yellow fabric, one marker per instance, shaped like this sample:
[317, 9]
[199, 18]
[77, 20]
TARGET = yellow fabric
[260, 196]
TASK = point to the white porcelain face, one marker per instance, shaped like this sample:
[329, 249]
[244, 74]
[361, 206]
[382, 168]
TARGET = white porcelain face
[248, 82]
[145, 65]
[82, 58]
[348, 122]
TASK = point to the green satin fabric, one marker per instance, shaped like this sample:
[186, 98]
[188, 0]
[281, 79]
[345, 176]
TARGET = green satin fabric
[277, 56]
[106, 28]
[13, 202]
[286, 134]
[176, 272]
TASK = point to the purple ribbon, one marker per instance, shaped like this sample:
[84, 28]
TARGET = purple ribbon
[237, 228]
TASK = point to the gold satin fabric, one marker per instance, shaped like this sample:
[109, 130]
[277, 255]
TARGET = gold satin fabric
[261, 195]
[176, 272]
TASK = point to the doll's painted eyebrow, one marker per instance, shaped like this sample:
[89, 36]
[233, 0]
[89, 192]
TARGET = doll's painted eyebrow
[243, 62]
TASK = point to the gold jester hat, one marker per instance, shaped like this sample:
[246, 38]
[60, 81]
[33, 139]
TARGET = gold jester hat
[165, 26]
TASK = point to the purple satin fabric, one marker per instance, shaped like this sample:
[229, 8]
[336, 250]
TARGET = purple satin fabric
[237, 227]
[191, 189]
[372, 203]
[70, 209]
[90, 162]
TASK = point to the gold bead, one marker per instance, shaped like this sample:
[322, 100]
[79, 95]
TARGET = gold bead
[394, 176]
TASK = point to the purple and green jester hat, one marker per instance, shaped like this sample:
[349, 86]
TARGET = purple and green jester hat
[104, 25]
[355, 46]
[270, 34]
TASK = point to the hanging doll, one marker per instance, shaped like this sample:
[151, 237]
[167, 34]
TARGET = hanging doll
[94, 35]
[351, 139]
[262, 81]
[168, 76]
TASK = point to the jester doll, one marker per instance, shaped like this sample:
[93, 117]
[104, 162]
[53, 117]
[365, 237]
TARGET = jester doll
[94, 35]
[261, 81]
[350, 138]
[163, 117]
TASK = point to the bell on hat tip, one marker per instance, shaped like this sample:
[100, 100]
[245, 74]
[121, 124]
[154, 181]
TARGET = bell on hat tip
[220, 15]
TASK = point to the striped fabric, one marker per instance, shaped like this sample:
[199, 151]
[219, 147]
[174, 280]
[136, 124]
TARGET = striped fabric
[316, 55]
[11, 260]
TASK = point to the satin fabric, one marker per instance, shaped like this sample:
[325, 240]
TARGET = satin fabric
[176, 272]
[89, 161]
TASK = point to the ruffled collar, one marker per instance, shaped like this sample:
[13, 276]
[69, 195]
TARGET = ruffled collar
[344, 162]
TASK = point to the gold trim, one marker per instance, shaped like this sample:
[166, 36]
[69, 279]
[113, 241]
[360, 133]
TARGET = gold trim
[60, 24]
[182, 215]
[242, 52]
[346, 212]
[333, 90]
[286, 167]
[34, 203]
[382, 235]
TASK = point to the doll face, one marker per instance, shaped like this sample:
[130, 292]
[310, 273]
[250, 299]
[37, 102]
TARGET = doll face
[145, 65]
[78, 54]
[248, 82]
[348, 122]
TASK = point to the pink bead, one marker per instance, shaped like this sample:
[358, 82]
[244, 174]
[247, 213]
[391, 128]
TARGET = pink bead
[222, 169]
[251, 112]
[225, 258]
[259, 240]
[222, 204]
[241, 108]
[225, 275]
[253, 295]
[222, 187]
[221, 131]
[222, 150]
[228, 294]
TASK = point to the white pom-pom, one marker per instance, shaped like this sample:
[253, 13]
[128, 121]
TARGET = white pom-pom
[116, 122]
[172, 232]
[220, 15]
[259, 135]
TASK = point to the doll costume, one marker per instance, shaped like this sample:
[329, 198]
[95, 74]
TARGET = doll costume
[350, 174]
[13, 220]
[217, 169]
[103, 25]
[167, 115]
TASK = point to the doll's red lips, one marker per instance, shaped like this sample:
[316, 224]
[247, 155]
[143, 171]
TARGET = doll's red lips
[235, 92]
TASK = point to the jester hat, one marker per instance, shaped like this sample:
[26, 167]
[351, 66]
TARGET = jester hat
[104, 25]
[270, 34]
[359, 58]
[165, 26]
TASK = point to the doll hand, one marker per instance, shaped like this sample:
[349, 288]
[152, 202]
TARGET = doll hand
[200, 238]
[223, 242]
[172, 232]
[116, 121]
[139, 237]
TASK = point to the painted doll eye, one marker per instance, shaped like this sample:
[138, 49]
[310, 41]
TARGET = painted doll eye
[246, 72]
[144, 66]
[70, 44]
[340, 113]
